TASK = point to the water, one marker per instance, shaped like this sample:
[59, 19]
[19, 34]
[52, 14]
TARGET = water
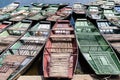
[28, 2]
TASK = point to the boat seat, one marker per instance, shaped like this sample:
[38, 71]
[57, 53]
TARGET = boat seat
[62, 36]
[112, 37]
[87, 33]
[109, 27]
[61, 50]
[34, 38]
[18, 29]
[27, 49]
[65, 29]
[86, 27]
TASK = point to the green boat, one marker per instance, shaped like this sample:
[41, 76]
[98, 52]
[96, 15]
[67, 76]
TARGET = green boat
[110, 32]
[37, 17]
[24, 52]
[45, 13]
[40, 5]
[36, 14]
[34, 10]
[4, 16]
[112, 16]
[50, 10]
[61, 5]
[9, 37]
[19, 14]
[9, 8]
[95, 49]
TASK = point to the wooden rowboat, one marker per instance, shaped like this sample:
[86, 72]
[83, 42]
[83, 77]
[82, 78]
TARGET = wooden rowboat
[19, 57]
[94, 12]
[110, 32]
[79, 9]
[9, 37]
[9, 8]
[117, 8]
[60, 53]
[95, 49]
[52, 8]
[109, 4]
[112, 16]
[34, 10]
[63, 13]
[19, 14]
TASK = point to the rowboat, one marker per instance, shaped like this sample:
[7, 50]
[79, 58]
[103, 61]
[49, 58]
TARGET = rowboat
[117, 8]
[37, 17]
[38, 4]
[94, 12]
[61, 5]
[4, 16]
[38, 14]
[20, 27]
[95, 49]
[19, 57]
[52, 8]
[98, 2]
[19, 14]
[110, 32]
[78, 9]
[34, 10]
[4, 25]
[63, 13]
[109, 4]
[62, 41]
[112, 16]
[9, 37]
[9, 8]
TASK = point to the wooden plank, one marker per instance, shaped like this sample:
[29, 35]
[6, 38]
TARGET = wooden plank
[112, 37]
[82, 77]
[63, 36]
[109, 27]
[30, 78]
[66, 29]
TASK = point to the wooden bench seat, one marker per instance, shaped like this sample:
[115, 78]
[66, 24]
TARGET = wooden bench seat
[63, 36]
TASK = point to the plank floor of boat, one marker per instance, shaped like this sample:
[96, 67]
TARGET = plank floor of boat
[62, 47]
[112, 37]
[3, 47]
[30, 78]
[10, 61]
[28, 49]
[59, 64]
[82, 77]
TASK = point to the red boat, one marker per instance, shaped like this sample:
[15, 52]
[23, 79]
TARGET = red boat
[61, 52]
[4, 25]
[63, 13]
